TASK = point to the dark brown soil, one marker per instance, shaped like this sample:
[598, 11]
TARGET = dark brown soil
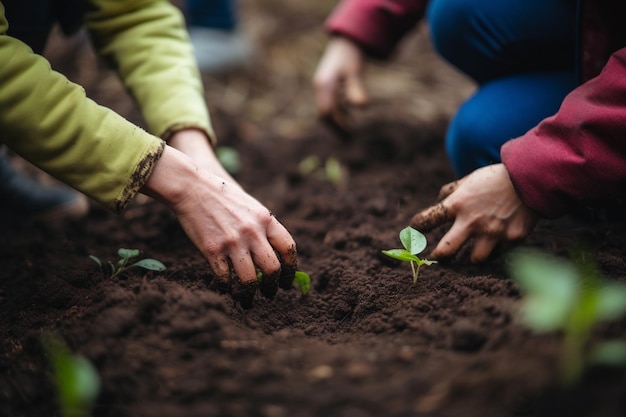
[364, 342]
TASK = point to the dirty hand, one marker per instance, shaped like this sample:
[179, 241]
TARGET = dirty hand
[338, 81]
[482, 205]
[227, 225]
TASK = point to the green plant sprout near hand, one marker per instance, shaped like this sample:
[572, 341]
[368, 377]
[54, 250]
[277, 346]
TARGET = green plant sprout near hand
[229, 158]
[301, 279]
[123, 264]
[332, 171]
[414, 243]
[569, 297]
[76, 380]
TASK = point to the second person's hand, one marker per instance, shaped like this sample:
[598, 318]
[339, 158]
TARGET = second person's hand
[338, 82]
[482, 206]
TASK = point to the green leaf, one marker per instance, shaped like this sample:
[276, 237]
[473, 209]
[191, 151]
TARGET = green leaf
[151, 264]
[413, 240]
[229, 158]
[127, 253]
[401, 255]
[308, 165]
[96, 260]
[332, 170]
[550, 286]
[303, 281]
[611, 301]
[610, 353]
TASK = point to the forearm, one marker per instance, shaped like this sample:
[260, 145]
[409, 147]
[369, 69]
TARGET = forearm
[49, 121]
[147, 43]
[577, 156]
[376, 25]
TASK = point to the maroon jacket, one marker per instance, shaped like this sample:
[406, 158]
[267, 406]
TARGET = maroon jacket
[576, 157]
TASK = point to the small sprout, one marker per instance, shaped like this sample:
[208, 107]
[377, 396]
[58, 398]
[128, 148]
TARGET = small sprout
[332, 170]
[308, 165]
[76, 380]
[125, 256]
[572, 298]
[302, 280]
[414, 242]
[229, 158]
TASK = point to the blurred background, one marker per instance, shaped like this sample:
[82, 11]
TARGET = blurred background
[274, 95]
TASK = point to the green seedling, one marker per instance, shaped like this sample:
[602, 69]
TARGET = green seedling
[76, 380]
[301, 279]
[330, 171]
[414, 243]
[123, 264]
[572, 298]
[229, 158]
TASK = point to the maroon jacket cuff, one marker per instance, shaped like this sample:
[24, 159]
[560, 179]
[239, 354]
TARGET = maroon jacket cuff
[578, 156]
[376, 25]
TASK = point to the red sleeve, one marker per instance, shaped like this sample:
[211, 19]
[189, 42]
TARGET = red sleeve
[376, 25]
[578, 156]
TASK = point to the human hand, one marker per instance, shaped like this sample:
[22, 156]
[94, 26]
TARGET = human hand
[228, 226]
[338, 81]
[482, 206]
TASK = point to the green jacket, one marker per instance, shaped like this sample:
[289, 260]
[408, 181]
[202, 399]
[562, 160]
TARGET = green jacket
[49, 121]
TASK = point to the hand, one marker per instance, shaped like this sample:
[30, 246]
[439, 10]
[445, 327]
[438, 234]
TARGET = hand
[195, 144]
[338, 80]
[484, 206]
[228, 226]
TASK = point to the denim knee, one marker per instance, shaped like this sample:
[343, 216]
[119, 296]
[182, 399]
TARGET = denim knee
[470, 141]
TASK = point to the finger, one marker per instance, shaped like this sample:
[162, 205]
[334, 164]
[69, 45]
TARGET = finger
[451, 242]
[432, 217]
[326, 94]
[282, 242]
[355, 91]
[285, 246]
[220, 267]
[267, 261]
[243, 266]
[483, 247]
[448, 189]
[339, 121]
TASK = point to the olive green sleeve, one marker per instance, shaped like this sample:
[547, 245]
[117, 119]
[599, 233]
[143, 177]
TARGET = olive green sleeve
[49, 121]
[146, 41]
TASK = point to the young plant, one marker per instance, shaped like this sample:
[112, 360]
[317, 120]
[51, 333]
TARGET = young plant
[414, 243]
[332, 170]
[302, 280]
[76, 380]
[572, 298]
[123, 263]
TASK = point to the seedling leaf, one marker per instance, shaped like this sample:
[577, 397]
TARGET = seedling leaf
[610, 353]
[127, 253]
[96, 260]
[151, 264]
[401, 255]
[303, 282]
[413, 240]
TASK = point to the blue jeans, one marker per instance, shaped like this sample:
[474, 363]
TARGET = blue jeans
[211, 14]
[522, 55]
